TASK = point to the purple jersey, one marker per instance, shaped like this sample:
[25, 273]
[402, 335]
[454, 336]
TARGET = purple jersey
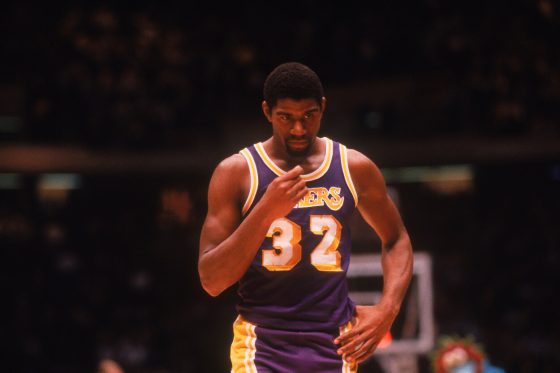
[297, 280]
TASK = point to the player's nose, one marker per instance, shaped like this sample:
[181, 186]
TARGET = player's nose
[298, 129]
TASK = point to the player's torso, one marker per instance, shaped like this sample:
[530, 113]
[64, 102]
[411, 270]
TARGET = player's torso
[298, 277]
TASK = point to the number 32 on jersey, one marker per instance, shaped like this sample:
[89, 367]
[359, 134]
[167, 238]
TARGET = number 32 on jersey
[286, 251]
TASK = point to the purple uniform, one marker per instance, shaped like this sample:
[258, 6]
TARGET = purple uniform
[294, 296]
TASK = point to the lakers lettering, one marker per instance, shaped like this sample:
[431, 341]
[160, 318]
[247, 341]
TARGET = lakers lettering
[322, 196]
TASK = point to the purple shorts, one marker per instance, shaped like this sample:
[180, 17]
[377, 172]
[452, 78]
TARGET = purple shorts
[257, 349]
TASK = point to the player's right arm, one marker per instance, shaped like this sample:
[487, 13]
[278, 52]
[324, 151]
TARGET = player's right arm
[228, 244]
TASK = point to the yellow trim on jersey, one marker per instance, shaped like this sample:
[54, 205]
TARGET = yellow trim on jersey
[242, 352]
[324, 166]
[307, 177]
[273, 167]
[254, 180]
[348, 367]
[346, 171]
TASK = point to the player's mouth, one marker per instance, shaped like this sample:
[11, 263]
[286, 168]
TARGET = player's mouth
[298, 144]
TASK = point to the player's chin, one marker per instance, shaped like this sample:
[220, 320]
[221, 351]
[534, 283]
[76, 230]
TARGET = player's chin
[298, 150]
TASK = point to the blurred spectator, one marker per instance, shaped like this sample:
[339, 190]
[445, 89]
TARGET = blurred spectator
[109, 366]
[142, 76]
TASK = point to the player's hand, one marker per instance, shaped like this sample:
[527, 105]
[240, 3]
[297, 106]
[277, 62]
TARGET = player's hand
[359, 343]
[284, 192]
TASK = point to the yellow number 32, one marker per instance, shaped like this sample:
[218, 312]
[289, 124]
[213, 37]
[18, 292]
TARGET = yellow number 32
[286, 251]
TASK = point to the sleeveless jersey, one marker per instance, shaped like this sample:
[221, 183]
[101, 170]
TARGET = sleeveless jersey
[297, 280]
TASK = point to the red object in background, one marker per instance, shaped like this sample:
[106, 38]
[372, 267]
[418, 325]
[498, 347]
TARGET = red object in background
[385, 341]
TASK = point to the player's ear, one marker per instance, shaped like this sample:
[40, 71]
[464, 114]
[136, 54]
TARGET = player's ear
[323, 104]
[266, 111]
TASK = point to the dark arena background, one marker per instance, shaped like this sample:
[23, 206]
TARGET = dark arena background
[113, 116]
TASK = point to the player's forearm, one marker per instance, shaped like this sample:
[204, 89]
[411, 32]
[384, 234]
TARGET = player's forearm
[397, 261]
[226, 263]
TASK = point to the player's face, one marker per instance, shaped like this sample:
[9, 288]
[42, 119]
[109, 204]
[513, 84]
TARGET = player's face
[295, 123]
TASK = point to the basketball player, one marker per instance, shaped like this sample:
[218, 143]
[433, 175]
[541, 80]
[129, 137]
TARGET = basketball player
[277, 224]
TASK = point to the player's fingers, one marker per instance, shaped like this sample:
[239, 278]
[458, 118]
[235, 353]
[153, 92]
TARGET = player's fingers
[346, 337]
[293, 173]
[351, 346]
[289, 187]
[297, 187]
[358, 349]
[301, 193]
[366, 350]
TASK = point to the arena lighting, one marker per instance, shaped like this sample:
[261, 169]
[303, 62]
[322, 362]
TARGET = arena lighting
[10, 181]
[55, 188]
[59, 181]
[10, 124]
[445, 180]
[427, 174]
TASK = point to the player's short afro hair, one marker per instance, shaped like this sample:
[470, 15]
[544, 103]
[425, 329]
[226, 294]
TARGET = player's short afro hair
[292, 80]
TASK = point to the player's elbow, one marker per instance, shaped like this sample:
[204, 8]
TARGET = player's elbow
[210, 285]
[213, 291]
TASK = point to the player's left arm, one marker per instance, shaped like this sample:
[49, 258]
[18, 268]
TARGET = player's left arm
[379, 211]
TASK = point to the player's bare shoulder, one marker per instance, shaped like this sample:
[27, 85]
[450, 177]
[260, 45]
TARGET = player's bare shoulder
[231, 177]
[365, 173]
[233, 165]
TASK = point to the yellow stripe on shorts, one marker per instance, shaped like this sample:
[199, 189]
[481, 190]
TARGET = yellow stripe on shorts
[242, 353]
[348, 367]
